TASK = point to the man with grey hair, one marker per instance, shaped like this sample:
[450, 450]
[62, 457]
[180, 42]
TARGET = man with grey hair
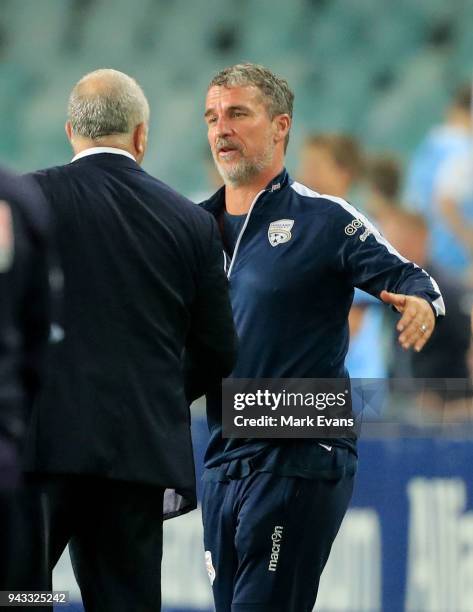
[272, 508]
[146, 328]
[108, 107]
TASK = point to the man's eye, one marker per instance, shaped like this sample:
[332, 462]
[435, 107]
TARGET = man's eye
[211, 120]
[238, 114]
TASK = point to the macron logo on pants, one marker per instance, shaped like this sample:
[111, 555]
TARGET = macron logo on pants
[276, 537]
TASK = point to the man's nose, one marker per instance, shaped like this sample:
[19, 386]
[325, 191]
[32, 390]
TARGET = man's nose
[223, 127]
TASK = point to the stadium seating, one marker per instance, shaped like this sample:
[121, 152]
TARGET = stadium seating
[382, 71]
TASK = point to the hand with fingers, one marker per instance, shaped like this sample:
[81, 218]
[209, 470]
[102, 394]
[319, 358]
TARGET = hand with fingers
[417, 322]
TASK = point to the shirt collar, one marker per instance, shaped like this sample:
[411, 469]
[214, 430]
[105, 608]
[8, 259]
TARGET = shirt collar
[278, 181]
[217, 202]
[97, 150]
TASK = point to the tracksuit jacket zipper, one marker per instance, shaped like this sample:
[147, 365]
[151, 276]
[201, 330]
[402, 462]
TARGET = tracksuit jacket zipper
[242, 231]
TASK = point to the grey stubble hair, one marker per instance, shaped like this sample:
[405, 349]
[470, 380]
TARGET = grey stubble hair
[117, 107]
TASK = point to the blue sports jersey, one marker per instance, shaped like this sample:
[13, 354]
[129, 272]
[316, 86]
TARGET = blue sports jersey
[292, 274]
[442, 144]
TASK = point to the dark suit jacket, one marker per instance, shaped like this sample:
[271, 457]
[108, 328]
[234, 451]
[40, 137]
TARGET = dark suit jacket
[24, 303]
[24, 313]
[143, 281]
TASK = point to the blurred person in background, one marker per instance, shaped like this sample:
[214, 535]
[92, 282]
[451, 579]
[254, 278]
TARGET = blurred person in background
[453, 216]
[368, 353]
[382, 180]
[365, 357]
[110, 443]
[293, 259]
[446, 355]
[330, 163]
[470, 353]
[333, 163]
[24, 331]
[431, 185]
[452, 137]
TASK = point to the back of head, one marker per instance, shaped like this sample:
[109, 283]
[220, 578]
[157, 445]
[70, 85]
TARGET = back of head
[331, 163]
[343, 148]
[462, 98]
[383, 175]
[460, 109]
[106, 103]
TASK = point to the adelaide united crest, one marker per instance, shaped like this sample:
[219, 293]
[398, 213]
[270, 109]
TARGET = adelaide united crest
[280, 231]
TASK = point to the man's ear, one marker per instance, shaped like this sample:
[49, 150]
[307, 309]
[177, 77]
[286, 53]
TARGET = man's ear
[140, 140]
[69, 131]
[282, 125]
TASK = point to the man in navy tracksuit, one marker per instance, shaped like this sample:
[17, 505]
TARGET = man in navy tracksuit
[272, 509]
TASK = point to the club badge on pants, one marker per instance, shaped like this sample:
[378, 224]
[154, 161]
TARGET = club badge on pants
[209, 566]
[280, 231]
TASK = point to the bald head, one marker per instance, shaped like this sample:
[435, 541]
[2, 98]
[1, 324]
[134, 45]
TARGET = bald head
[106, 102]
[105, 108]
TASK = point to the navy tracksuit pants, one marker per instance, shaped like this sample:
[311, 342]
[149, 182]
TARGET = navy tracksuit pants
[267, 537]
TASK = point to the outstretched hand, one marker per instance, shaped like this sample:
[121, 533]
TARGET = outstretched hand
[417, 322]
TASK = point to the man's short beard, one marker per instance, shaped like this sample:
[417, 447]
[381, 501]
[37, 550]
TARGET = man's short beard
[245, 170]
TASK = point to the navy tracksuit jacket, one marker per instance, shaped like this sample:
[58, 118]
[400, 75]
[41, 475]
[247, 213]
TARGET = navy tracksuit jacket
[292, 276]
